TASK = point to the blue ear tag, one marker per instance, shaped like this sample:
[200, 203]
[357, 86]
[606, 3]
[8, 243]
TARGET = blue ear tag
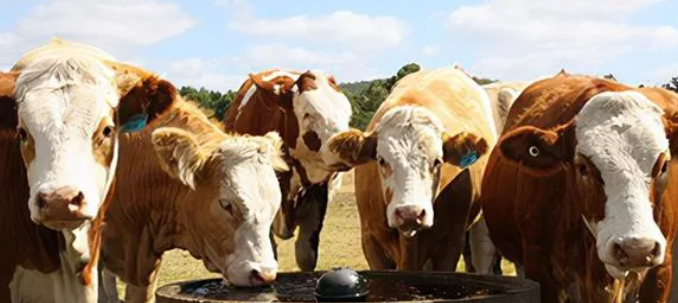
[468, 159]
[135, 123]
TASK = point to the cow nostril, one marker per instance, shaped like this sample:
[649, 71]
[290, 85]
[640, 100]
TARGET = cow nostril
[655, 250]
[398, 214]
[77, 200]
[41, 201]
[422, 214]
[619, 254]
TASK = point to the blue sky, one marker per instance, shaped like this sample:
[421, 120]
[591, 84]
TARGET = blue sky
[216, 43]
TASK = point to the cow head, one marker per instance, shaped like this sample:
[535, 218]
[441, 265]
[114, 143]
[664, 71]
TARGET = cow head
[616, 154]
[68, 111]
[410, 147]
[239, 196]
[320, 108]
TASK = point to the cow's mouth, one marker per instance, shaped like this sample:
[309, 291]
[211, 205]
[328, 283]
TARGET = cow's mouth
[64, 224]
[408, 232]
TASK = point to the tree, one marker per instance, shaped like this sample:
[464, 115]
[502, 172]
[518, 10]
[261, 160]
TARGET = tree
[672, 85]
[214, 103]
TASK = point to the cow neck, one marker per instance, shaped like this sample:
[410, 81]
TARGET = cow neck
[147, 199]
[33, 246]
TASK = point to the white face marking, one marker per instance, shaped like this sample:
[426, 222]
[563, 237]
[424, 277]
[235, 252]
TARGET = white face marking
[623, 134]
[409, 144]
[324, 111]
[248, 95]
[61, 103]
[280, 73]
[250, 189]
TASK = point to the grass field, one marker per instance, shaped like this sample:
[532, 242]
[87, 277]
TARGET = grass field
[339, 245]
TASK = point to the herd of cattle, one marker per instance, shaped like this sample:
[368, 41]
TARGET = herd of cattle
[104, 168]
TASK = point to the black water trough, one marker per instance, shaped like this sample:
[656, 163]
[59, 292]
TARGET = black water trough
[383, 286]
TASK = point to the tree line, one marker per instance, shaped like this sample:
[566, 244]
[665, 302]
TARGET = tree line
[365, 96]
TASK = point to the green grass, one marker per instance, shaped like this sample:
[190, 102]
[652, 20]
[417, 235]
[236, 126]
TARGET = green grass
[339, 245]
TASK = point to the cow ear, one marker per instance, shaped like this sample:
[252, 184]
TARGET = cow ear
[463, 149]
[353, 147]
[179, 154]
[8, 114]
[279, 163]
[144, 97]
[278, 86]
[540, 151]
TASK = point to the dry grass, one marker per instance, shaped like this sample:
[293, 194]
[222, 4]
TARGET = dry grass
[339, 245]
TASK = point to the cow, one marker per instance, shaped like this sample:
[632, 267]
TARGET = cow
[423, 153]
[580, 189]
[502, 95]
[63, 107]
[306, 109]
[184, 183]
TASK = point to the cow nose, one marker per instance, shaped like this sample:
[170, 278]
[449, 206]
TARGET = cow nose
[411, 215]
[637, 252]
[64, 196]
[262, 277]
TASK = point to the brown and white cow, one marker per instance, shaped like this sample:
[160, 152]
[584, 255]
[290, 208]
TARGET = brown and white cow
[210, 193]
[580, 189]
[419, 153]
[481, 250]
[65, 104]
[306, 109]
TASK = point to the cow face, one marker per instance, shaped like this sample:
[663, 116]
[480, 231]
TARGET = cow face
[321, 109]
[409, 146]
[616, 154]
[68, 112]
[239, 199]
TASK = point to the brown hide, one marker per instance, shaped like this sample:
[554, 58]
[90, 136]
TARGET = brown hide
[150, 209]
[456, 104]
[535, 220]
[26, 244]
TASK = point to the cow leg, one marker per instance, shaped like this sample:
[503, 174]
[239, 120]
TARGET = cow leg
[467, 255]
[143, 293]
[108, 290]
[483, 252]
[673, 298]
[375, 254]
[448, 255]
[313, 207]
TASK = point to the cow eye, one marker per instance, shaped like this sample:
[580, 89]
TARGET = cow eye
[23, 135]
[226, 205]
[437, 162]
[583, 170]
[382, 162]
[534, 151]
[107, 131]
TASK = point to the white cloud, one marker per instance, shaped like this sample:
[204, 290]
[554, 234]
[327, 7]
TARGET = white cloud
[430, 50]
[199, 72]
[526, 39]
[660, 75]
[345, 65]
[137, 22]
[9, 39]
[344, 28]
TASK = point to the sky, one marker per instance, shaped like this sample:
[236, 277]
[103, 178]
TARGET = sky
[216, 43]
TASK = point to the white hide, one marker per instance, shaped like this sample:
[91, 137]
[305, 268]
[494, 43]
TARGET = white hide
[409, 141]
[326, 112]
[61, 102]
[622, 133]
[249, 183]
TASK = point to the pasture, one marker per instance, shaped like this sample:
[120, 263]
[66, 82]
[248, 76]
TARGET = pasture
[339, 245]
